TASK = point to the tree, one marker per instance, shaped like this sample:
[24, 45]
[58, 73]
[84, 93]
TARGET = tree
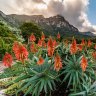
[28, 28]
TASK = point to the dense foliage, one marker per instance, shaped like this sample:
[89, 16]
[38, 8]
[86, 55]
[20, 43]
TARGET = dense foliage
[28, 28]
[6, 39]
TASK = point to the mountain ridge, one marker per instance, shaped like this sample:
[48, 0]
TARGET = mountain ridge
[51, 25]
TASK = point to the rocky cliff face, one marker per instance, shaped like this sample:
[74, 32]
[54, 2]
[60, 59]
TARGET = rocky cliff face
[8, 20]
[51, 25]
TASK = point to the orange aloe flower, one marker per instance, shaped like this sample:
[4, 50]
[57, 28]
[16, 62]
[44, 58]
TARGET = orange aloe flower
[57, 63]
[83, 42]
[51, 47]
[84, 63]
[40, 61]
[32, 38]
[33, 48]
[73, 47]
[89, 43]
[15, 46]
[50, 42]
[42, 37]
[40, 42]
[50, 51]
[7, 60]
[58, 35]
[54, 43]
[44, 44]
[80, 47]
[94, 55]
[20, 52]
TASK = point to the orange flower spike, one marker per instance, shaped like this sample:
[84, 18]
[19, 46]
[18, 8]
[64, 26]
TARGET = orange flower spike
[15, 46]
[94, 55]
[42, 37]
[50, 42]
[33, 48]
[80, 47]
[40, 43]
[58, 35]
[32, 38]
[20, 52]
[57, 63]
[40, 61]
[83, 42]
[50, 51]
[44, 44]
[84, 63]
[89, 43]
[54, 43]
[23, 53]
[51, 47]
[73, 47]
[7, 60]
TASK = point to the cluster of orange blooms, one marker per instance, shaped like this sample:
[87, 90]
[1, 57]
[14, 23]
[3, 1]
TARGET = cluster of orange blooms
[21, 53]
[51, 44]
[41, 43]
[74, 48]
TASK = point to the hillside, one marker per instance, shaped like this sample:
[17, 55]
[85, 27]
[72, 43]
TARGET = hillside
[8, 20]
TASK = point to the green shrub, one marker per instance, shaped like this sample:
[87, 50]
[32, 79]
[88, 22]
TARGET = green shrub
[6, 40]
[28, 28]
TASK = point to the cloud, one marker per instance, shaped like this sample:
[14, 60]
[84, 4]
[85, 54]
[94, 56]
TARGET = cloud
[75, 11]
[38, 1]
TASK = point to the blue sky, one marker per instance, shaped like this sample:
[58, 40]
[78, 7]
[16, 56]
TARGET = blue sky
[92, 11]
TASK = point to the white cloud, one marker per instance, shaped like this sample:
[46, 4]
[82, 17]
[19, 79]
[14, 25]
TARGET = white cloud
[75, 11]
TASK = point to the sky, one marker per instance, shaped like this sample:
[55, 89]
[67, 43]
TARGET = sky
[80, 13]
[92, 11]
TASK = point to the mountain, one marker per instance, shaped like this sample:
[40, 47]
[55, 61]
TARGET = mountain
[89, 34]
[8, 20]
[50, 26]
